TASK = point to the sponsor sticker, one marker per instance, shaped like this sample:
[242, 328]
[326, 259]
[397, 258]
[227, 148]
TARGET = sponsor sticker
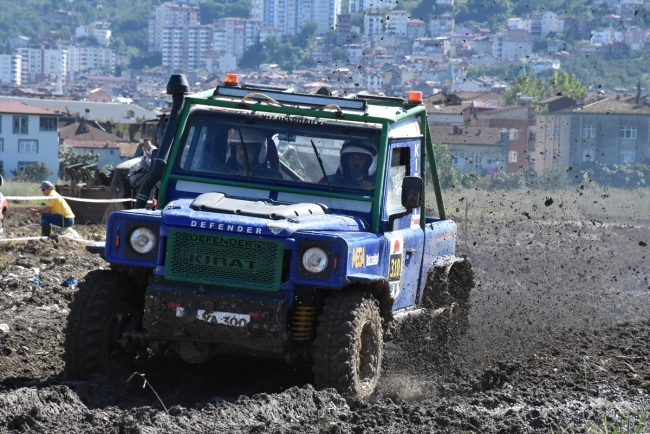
[415, 221]
[358, 257]
[395, 289]
[372, 259]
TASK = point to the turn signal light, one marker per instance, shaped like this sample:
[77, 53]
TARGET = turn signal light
[415, 97]
[232, 80]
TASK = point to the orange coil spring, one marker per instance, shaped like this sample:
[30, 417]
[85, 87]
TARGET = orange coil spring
[302, 323]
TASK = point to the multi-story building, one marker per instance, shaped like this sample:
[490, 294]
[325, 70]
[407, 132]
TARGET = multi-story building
[512, 44]
[415, 29]
[606, 36]
[396, 23]
[291, 15]
[439, 25]
[84, 58]
[27, 135]
[344, 29]
[358, 6]
[373, 23]
[604, 131]
[169, 15]
[10, 68]
[101, 31]
[40, 64]
[185, 46]
[257, 10]
[235, 35]
[541, 24]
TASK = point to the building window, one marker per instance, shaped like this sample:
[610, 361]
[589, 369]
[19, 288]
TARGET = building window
[20, 125]
[2, 144]
[512, 156]
[588, 131]
[23, 165]
[513, 133]
[28, 146]
[588, 154]
[2, 168]
[627, 157]
[628, 132]
[548, 131]
[49, 123]
[556, 132]
[457, 156]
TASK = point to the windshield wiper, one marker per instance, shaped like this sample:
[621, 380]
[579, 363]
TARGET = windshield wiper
[248, 167]
[320, 163]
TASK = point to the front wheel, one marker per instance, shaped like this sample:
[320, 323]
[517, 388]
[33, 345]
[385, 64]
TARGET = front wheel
[348, 347]
[107, 305]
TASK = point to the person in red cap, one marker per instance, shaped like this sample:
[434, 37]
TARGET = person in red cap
[57, 212]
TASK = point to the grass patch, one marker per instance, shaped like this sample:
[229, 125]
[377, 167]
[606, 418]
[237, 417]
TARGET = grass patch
[13, 188]
[619, 425]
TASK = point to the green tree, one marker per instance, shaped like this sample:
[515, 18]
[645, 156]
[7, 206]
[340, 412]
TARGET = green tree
[525, 85]
[447, 172]
[35, 172]
[561, 83]
[70, 157]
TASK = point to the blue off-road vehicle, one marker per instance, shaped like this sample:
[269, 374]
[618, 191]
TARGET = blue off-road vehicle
[287, 225]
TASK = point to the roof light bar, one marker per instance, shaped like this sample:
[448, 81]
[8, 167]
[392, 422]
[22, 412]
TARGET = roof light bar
[293, 98]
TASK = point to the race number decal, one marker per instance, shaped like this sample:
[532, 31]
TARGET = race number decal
[395, 265]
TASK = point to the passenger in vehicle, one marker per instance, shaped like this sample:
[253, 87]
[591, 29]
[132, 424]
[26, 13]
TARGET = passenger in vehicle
[247, 144]
[357, 166]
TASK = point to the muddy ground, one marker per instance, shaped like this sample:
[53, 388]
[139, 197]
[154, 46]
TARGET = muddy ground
[559, 338]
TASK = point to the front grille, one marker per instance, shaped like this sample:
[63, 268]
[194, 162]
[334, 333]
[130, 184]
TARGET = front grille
[223, 260]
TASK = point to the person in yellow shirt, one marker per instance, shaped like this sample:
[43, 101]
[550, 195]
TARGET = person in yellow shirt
[57, 212]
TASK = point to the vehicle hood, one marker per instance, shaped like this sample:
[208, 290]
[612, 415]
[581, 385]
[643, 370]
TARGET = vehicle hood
[180, 213]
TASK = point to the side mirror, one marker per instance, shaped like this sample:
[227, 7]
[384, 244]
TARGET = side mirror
[412, 190]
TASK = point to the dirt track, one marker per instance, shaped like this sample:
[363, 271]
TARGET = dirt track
[559, 337]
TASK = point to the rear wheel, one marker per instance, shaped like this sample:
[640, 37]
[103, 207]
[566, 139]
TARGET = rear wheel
[348, 347]
[107, 305]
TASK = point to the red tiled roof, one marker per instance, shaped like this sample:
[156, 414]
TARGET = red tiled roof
[94, 144]
[20, 108]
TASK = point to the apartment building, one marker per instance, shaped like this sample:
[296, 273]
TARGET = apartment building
[541, 24]
[169, 15]
[10, 68]
[235, 35]
[84, 58]
[439, 25]
[184, 47]
[512, 44]
[99, 30]
[291, 15]
[373, 23]
[397, 22]
[27, 135]
[40, 64]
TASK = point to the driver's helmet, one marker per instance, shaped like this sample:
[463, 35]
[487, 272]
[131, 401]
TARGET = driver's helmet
[355, 147]
[254, 140]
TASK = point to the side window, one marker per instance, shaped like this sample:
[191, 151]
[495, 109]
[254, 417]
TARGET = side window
[398, 170]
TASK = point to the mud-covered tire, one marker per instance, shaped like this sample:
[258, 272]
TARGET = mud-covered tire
[348, 347]
[106, 304]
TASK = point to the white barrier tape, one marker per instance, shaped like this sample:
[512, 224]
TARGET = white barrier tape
[77, 199]
[44, 238]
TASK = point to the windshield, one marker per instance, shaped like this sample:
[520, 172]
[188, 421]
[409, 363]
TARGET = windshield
[327, 156]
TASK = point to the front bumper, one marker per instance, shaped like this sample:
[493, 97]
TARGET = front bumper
[233, 321]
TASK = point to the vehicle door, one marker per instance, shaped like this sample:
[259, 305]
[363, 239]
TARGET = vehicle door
[405, 237]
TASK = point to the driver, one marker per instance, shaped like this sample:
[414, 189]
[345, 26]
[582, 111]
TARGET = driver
[357, 165]
[253, 149]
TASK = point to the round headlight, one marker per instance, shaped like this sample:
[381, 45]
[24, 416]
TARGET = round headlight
[314, 260]
[142, 240]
